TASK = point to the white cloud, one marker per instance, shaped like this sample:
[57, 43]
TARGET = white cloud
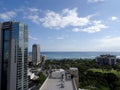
[33, 9]
[108, 43]
[7, 15]
[32, 14]
[96, 27]
[33, 38]
[113, 18]
[34, 18]
[55, 20]
[111, 42]
[95, 1]
[76, 30]
[66, 18]
[60, 38]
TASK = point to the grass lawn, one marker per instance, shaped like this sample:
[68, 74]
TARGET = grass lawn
[106, 71]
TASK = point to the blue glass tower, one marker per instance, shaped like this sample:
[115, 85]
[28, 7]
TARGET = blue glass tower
[13, 56]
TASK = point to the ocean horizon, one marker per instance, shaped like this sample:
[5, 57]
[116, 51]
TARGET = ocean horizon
[75, 54]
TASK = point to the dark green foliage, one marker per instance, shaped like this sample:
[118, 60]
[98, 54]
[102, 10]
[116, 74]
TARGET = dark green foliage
[42, 78]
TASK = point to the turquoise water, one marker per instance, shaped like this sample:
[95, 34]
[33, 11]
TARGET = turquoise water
[76, 55]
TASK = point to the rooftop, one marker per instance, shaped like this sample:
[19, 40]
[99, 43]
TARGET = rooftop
[57, 84]
[107, 56]
[58, 79]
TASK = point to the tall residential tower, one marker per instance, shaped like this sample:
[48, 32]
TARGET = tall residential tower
[36, 54]
[13, 56]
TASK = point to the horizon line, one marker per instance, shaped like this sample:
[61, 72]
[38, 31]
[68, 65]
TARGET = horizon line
[77, 51]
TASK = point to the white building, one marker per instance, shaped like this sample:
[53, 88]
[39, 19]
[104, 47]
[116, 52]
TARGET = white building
[106, 59]
[58, 81]
[58, 73]
[32, 75]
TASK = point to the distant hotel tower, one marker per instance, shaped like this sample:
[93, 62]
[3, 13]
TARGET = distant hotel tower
[36, 54]
[13, 56]
[106, 59]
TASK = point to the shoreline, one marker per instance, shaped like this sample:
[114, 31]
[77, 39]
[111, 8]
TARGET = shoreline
[75, 55]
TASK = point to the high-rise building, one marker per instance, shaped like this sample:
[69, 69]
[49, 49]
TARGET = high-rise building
[106, 59]
[13, 56]
[36, 54]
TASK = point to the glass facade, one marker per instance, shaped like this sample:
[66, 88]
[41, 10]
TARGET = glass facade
[5, 55]
[14, 33]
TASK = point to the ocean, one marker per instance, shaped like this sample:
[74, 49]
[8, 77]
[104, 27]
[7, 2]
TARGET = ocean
[76, 55]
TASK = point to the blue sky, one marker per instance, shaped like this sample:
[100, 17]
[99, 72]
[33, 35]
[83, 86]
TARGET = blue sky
[67, 25]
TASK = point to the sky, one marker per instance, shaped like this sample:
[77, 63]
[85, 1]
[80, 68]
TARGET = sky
[67, 25]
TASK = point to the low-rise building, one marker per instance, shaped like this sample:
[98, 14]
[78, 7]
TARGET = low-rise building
[75, 75]
[32, 75]
[59, 79]
[42, 63]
